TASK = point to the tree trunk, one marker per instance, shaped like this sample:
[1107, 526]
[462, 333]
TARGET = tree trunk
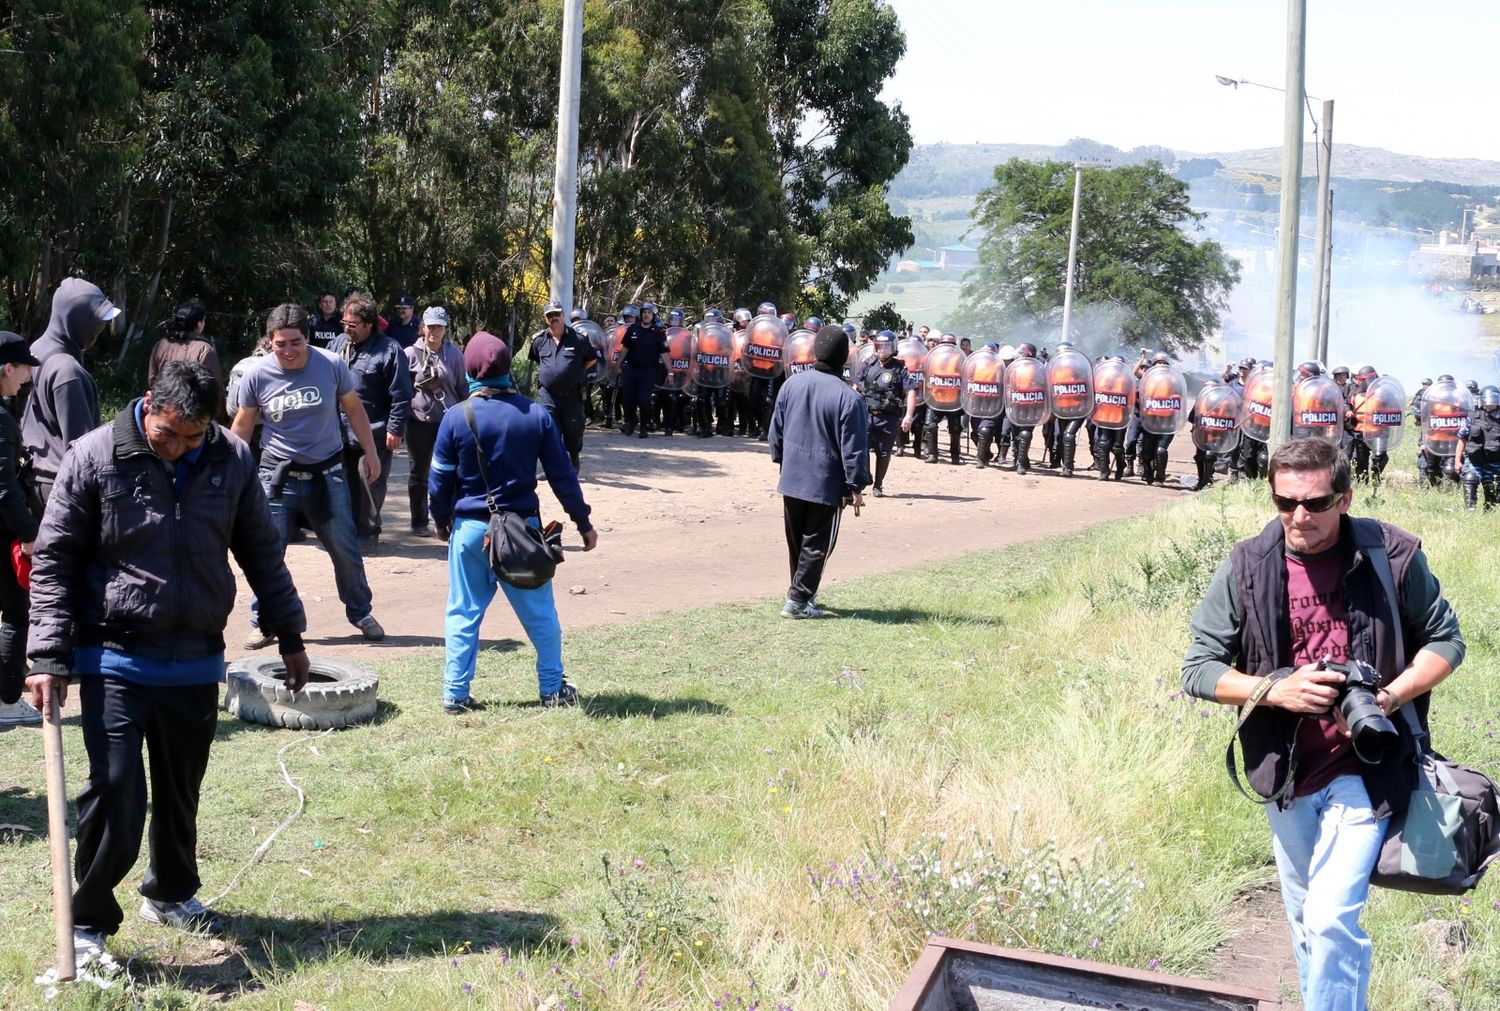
[148, 299]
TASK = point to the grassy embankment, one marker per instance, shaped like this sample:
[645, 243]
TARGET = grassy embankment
[772, 800]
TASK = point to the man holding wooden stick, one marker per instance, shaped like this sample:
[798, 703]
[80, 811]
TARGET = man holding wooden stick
[131, 589]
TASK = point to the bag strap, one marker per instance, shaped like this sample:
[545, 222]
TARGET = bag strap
[1255, 699]
[1380, 560]
[489, 496]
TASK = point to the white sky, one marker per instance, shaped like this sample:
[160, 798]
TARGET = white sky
[1411, 77]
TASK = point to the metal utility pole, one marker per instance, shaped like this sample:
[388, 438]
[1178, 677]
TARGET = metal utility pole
[1078, 168]
[1324, 240]
[1327, 289]
[1286, 247]
[565, 188]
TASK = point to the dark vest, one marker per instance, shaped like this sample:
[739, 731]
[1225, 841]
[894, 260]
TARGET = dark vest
[881, 386]
[1482, 446]
[1259, 573]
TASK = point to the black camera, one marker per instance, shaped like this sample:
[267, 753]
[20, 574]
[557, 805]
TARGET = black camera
[1370, 729]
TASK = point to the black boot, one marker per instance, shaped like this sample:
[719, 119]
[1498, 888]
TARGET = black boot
[929, 445]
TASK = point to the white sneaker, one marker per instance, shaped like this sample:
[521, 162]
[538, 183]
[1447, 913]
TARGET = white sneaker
[20, 713]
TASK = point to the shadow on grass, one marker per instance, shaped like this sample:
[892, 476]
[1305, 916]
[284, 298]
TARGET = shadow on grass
[620, 705]
[916, 616]
[229, 725]
[258, 948]
[25, 812]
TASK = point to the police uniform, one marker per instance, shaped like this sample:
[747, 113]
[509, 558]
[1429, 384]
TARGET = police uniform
[884, 385]
[562, 381]
[644, 345]
[1480, 435]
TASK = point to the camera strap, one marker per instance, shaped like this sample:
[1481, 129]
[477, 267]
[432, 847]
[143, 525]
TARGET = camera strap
[1255, 699]
[1381, 562]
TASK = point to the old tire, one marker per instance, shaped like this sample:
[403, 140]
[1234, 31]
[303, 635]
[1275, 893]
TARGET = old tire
[337, 694]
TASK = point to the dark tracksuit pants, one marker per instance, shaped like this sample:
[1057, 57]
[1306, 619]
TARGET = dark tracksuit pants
[812, 529]
[366, 514]
[15, 609]
[176, 724]
[421, 437]
[567, 413]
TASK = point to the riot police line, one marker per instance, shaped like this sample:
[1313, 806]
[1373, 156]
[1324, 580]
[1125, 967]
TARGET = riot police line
[720, 377]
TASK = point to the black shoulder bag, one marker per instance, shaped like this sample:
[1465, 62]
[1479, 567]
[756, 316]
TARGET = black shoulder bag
[522, 555]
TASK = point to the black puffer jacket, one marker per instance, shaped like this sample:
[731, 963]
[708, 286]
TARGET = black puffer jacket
[122, 562]
[17, 521]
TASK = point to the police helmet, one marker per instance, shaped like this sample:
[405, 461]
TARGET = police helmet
[651, 308]
[1489, 398]
[1064, 344]
[1445, 378]
[813, 323]
[851, 331]
[577, 315]
[1473, 386]
[766, 309]
[1427, 382]
[790, 319]
[1115, 358]
[1247, 363]
[1159, 358]
[1309, 369]
[675, 316]
[991, 346]
[743, 316]
[1025, 350]
[885, 340]
[630, 312]
[947, 338]
[1365, 372]
[1341, 370]
[713, 316]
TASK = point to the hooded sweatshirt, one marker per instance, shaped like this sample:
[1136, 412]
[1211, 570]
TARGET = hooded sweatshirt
[64, 401]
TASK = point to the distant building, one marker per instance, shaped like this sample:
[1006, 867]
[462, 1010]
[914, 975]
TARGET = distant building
[957, 257]
[1454, 262]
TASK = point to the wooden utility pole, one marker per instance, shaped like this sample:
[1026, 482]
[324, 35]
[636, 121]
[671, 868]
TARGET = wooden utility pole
[1286, 246]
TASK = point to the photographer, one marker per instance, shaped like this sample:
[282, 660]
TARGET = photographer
[1307, 594]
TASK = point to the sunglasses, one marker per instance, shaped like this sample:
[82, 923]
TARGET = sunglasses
[1321, 504]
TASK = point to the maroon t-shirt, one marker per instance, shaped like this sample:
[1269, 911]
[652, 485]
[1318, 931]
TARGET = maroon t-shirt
[1315, 599]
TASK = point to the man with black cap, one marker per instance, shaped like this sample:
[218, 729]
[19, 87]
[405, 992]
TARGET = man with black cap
[487, 453]
[64, 401]
[404, 329]
[563, 356]
[19, 520]
[819, 434]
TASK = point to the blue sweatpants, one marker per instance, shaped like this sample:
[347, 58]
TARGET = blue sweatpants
[471, 587]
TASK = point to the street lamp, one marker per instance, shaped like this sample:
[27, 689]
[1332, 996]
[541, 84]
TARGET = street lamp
[1078, 167]
[1324, 239]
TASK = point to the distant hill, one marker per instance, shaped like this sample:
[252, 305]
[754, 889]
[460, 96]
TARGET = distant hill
[958, 170]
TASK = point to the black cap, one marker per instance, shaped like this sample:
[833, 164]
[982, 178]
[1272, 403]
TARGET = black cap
[406, 300]
[14, 350]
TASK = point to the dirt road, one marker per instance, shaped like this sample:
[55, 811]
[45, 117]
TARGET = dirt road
[683, 518]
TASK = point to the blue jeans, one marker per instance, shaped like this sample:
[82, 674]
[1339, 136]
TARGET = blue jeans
[471, 587]
[1326, 846]
[336, 534]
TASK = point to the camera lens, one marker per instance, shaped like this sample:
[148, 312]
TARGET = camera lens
[1372, 732]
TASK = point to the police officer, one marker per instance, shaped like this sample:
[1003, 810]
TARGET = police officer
[739, 391]
[936, 419]
[1366, 462]
[1153, 447]
[644, 344]
[562, 356]
[1110, 441]
[760, 395]
[669, 407]
[610, 395]
[1478, 453]
[890, 393]
[1018, 437]
[1431, 467]
[710, 404]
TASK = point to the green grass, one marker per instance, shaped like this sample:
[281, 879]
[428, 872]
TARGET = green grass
[919, 301]
[1029, 697]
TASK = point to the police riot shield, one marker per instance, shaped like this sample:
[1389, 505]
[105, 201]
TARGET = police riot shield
[1114, 395]
[862, 359]
[1163, 399]
[1379, 413]
[713, 352]
[1445, 408]
[913, 353]
[739, 377]
[614, 360]
[763, 349]
[1070, 385]
[1318, 409]
[1216, 418]
[679, 359]
[1026, 392]
[943, 383]
[595, 335]
[797, 353]
[984, 376]
[1255, 406]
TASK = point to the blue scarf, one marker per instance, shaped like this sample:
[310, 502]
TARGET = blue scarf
[498, 383]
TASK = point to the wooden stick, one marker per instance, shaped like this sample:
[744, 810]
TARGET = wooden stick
[57, 836]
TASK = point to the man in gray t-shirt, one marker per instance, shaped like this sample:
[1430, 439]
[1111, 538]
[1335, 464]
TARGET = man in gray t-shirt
[296, 393]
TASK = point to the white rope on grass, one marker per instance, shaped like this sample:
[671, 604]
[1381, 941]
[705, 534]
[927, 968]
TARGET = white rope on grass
[264, 848]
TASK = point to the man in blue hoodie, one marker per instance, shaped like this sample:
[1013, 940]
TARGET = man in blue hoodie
[820, 436]
[64, 401]
[500, 435]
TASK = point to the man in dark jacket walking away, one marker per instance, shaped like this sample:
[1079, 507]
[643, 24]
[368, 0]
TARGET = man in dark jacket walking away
[130, 594]
[64, 401]
[384, 384]
[500, 435]
[820, 436]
